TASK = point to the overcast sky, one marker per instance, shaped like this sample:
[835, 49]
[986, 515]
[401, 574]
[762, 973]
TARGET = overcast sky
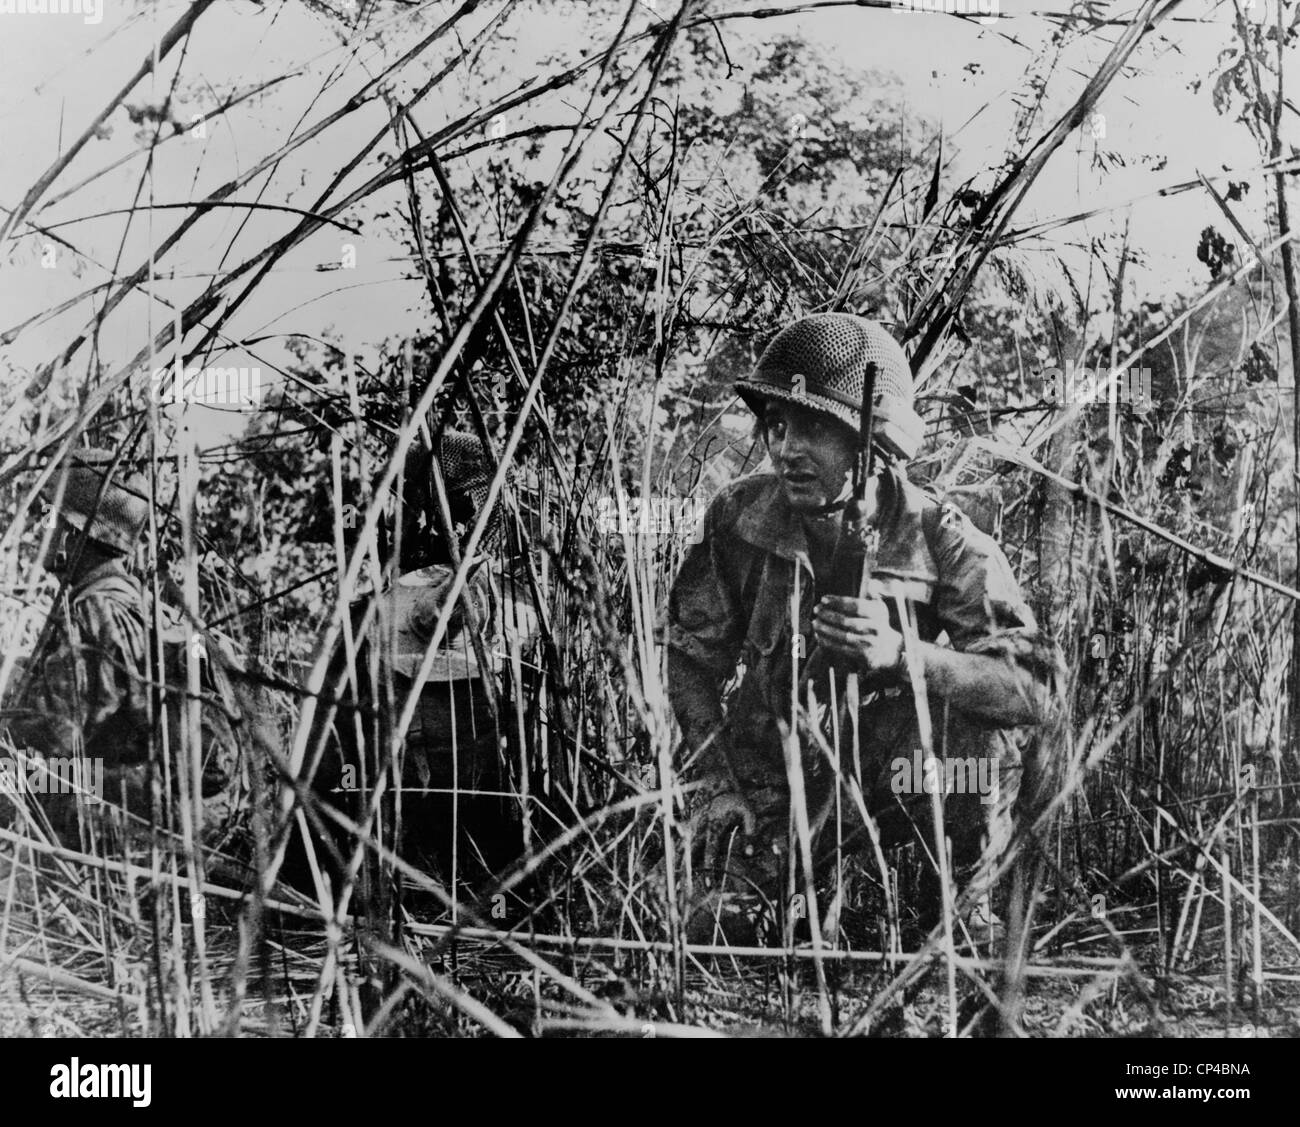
[58, 71]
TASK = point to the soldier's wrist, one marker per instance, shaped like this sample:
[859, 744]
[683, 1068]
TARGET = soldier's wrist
[907, 661]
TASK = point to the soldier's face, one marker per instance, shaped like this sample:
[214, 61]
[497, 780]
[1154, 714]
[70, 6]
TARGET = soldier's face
[811, 453]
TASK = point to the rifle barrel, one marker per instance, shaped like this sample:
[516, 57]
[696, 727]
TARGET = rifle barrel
[855, 555]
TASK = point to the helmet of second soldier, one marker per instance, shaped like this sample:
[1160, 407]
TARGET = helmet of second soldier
[110, 510]
[467, 472]
[820, 363]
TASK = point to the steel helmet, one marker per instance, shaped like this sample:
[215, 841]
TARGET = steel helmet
[467, 474]
[113, 514]
[820, 362]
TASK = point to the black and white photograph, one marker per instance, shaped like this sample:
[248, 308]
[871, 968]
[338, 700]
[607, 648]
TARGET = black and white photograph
[650, 520]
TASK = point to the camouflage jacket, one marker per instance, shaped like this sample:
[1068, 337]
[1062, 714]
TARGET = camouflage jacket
[730, 610]
[88, 693]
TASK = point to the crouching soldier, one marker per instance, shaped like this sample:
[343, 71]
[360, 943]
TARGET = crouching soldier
[90, 692]
[459, 813]
[765, 587]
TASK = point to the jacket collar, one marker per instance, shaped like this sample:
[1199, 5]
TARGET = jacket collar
[770, 524]
[109, 575]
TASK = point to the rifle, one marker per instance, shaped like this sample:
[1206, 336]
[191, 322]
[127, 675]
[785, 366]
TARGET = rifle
[854, 560]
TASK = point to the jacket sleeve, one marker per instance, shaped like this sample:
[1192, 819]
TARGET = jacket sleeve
[49, 717]
[704, 620]
[90, 689]
[980, 605]
[704, 629]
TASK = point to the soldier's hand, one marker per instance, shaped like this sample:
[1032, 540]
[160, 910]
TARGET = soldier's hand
[858, 628]
[715, 820]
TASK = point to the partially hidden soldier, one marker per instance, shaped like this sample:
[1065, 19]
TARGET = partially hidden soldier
[457, 805]
[757, 594]
[91, 689]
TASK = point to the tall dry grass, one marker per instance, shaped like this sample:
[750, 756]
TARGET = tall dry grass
[1157, 812]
